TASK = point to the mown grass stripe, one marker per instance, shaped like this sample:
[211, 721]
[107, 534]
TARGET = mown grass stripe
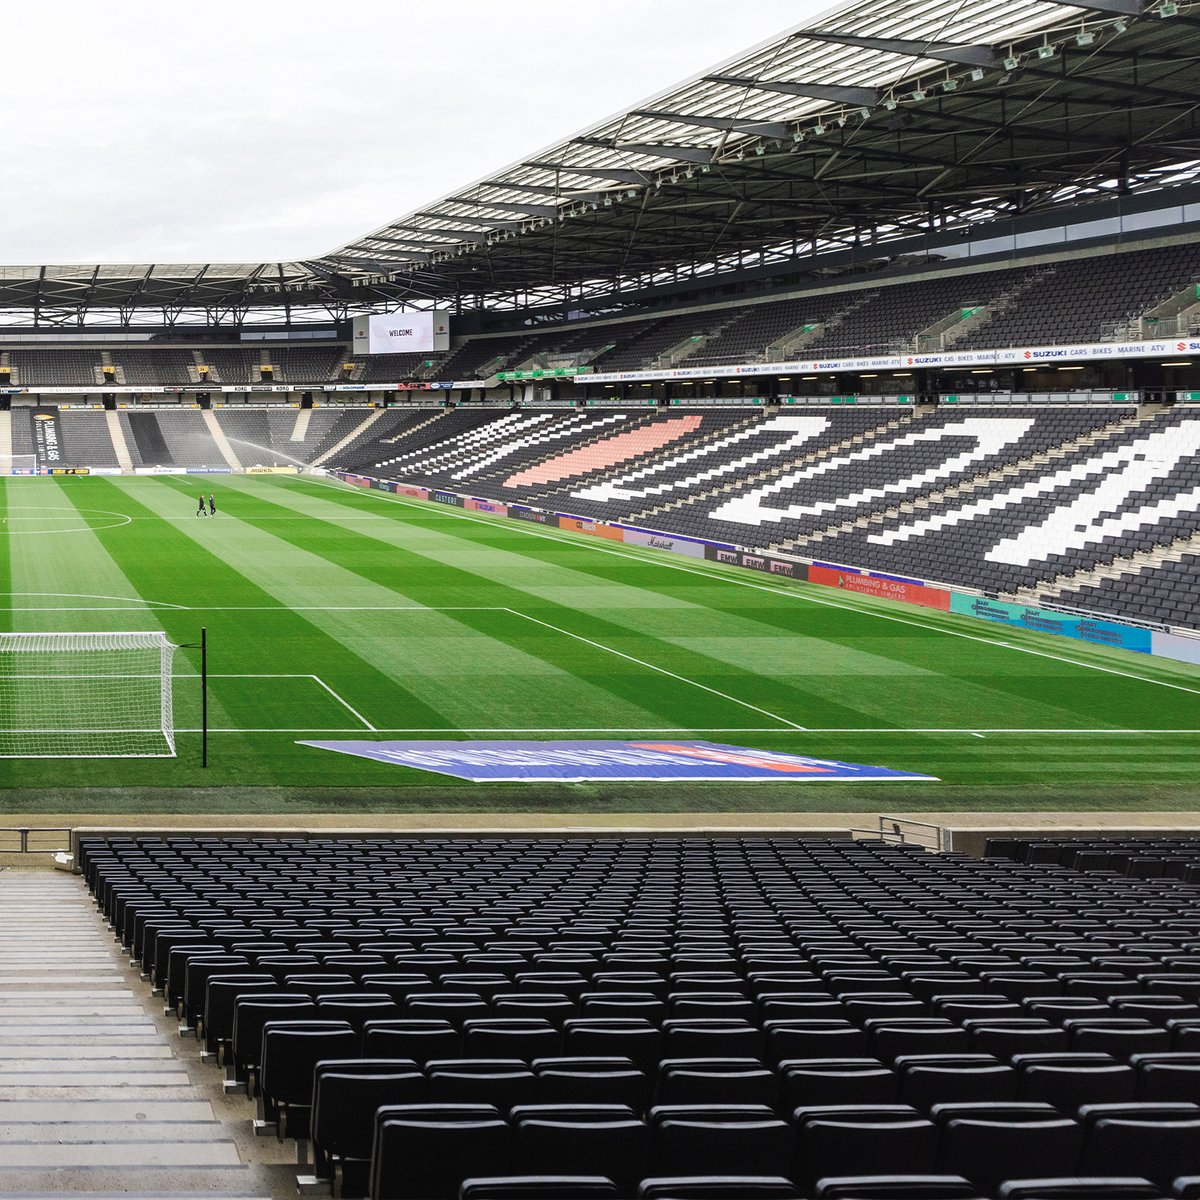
[608, 657]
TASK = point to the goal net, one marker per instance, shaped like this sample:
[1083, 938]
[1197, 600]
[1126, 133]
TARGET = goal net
[18, 464]
[86, 695]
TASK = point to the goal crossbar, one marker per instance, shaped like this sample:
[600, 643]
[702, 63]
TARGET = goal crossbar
[86, 695]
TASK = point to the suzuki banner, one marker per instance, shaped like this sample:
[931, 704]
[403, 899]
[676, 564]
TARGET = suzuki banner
[1024, 355]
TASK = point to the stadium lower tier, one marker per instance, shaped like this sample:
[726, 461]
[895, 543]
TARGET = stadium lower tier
[686, 1017]
[1093, 507]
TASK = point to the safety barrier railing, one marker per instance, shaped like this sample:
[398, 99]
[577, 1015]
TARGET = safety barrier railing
[905, 831]
[34, 839]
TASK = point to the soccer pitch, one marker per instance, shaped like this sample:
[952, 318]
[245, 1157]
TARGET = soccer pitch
[338, 613]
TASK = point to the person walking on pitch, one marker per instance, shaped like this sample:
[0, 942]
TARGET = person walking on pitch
[212, 505]
[200, 510]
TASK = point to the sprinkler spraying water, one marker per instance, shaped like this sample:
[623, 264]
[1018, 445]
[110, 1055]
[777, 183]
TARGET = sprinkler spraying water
[272, 454]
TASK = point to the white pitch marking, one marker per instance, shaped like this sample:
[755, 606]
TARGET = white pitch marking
[450, 731]
[69, 514]
[344, 703]
[90, 596]
[803, 596]
[650, 666]
[315, 678]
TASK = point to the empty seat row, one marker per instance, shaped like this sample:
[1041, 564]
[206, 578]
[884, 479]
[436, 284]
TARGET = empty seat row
[430, 1150]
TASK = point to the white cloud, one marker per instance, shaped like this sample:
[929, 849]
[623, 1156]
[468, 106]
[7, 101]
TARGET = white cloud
[150, 132]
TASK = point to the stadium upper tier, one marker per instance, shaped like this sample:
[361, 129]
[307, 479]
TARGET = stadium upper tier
[1089, 298]
[864, 128]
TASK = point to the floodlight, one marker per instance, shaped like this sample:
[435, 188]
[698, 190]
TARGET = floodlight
[890, 103]
[976, 74]
[1011, 63]
[1168, 8]
[819, 129]
[1119, 26]
[949, 85]
[865, 113]
[1085, 37]
[917, 94]
[1045, 50]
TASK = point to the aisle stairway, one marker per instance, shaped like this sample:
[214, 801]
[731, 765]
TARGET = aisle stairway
[93, 1097]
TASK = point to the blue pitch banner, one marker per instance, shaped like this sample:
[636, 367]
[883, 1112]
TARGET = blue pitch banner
[585, 761]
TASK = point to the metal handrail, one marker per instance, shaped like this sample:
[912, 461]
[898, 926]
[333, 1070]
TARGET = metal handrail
[25, 832]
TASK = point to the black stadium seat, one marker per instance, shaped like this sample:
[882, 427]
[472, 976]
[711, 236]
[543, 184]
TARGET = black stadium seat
[822, 1018]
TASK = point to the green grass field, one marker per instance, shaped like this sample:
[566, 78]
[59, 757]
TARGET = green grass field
[342, 613]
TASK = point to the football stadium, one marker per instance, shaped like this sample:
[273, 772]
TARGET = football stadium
[669, 672]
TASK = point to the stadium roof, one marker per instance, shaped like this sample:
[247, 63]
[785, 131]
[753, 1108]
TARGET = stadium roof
[868, 123]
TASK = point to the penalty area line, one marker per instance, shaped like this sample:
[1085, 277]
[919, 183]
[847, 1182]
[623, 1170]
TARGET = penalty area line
[343, 702]
[675, 729]
[314, 678]
[641, 662]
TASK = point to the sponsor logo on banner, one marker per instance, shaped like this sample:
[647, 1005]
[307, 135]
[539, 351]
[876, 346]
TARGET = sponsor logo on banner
[47, 440]
[272, 470]
[1079, 353]
[210, 470]
[881, 586]
[596, 528]
[1085, 629]
[582, 761]
[69, 471]
[529, 514]
[446, 498]
[758, 562]
[486, 506]
[417, 493]
[659, 541]
[357, 480]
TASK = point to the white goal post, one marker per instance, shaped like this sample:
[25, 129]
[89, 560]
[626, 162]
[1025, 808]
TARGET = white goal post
[86, 695]
[18, 464]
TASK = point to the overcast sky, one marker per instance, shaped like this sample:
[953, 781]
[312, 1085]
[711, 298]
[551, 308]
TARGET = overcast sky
[151, 131]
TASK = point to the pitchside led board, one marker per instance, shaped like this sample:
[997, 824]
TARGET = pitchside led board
[402, 333]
